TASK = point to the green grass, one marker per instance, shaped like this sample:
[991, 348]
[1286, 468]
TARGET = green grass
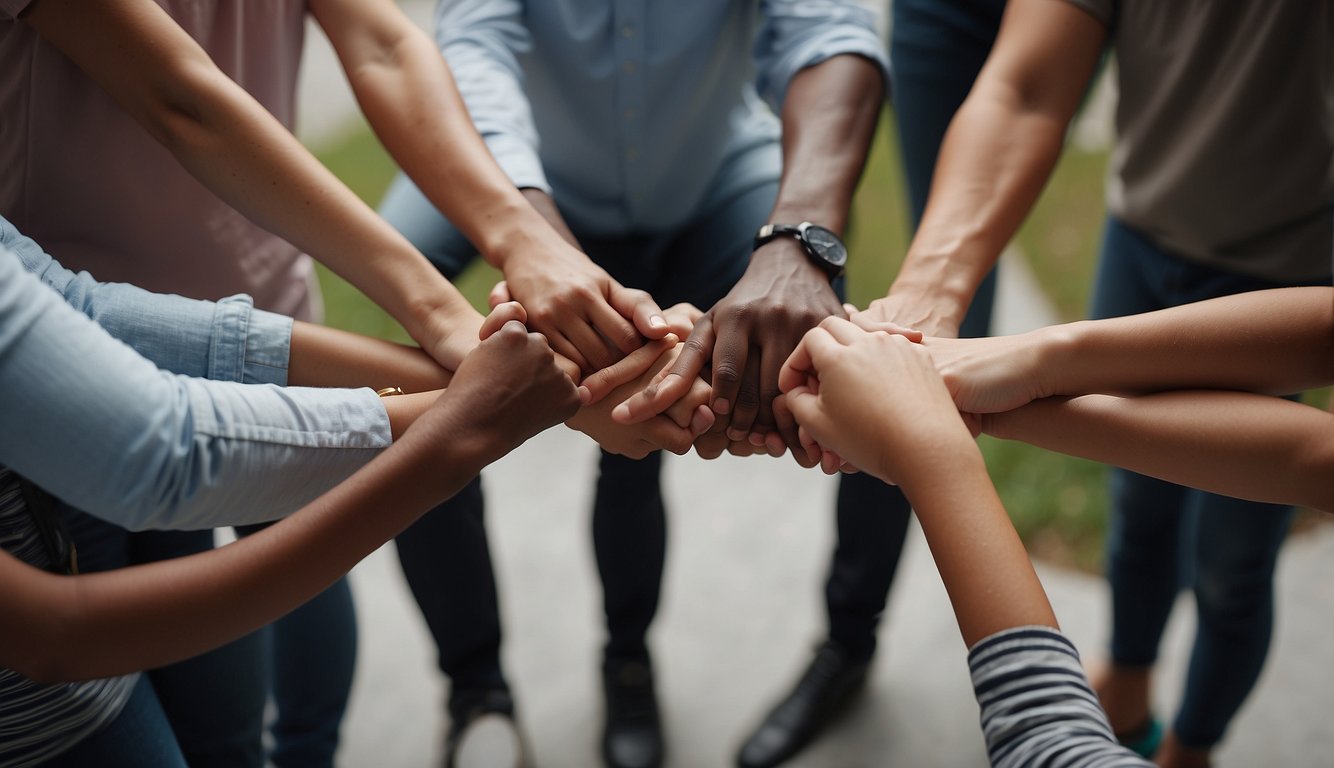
[1058, 503]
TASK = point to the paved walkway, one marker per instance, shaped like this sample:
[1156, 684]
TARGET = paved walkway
[749, 544]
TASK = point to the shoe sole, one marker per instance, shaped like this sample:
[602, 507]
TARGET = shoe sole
[491, 741]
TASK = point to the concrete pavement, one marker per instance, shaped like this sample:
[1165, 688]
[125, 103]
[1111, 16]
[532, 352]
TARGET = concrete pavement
[742, 607]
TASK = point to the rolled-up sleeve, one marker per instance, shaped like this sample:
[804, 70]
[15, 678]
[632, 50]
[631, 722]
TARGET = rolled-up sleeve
[481, 40]
[105, 430]
[795, 34]
[227, 340]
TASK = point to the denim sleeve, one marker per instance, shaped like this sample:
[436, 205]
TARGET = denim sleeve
[481, 40]
[100, 427]
[795, 34]
[228, 340]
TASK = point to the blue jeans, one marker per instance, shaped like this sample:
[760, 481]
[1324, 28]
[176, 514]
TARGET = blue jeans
[445, 555]
[213, 702]
[1163, 537]
[139, 737]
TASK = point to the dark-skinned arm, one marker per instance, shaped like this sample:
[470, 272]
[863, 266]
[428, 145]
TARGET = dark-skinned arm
[829, 117]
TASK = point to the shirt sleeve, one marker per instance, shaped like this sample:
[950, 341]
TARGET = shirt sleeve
[795, 34]
[228, 340]
[481, 41]
[10, 9]
[1038, 710]
[103, 429]
[1102, 10]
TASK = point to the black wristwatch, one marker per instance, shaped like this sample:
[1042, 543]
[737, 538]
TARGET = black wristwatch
[822, 246]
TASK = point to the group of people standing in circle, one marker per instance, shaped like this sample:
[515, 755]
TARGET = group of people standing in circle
[663, 187]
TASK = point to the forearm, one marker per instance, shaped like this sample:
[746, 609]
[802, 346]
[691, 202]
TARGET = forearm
[328, 357]
[1237, 444]
[226, 139]
[1276, 342]
[409, 95]
[829, 118]
[139, 618]
[997, 154]
[982, 562]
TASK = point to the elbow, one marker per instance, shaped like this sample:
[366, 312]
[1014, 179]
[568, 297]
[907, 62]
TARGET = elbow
[178, 111]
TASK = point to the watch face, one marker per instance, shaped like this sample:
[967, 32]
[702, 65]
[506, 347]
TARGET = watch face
[827, 245]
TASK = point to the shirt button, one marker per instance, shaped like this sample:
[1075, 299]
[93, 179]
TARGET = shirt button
[628, 30]
[629, 67]
[632, 154]
[630, 114]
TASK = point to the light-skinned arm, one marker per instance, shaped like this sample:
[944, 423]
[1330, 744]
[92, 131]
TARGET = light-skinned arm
[113, 623]
[994, 160]
[409, 96]
[1277, 341]
[877, 401]
[1234, 443]
[163, 79]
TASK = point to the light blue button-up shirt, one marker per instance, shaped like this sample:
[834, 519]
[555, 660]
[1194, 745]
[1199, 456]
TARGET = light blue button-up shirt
[634, 113]
[134, 435]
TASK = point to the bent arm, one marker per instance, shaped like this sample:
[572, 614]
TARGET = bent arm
[995, 158]
[226, 139]
[409, 95]
[113, 623]
[1236, 444]
[143, 448]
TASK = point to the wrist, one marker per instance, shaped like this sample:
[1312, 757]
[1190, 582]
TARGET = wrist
[1058, 358]
[519, 230]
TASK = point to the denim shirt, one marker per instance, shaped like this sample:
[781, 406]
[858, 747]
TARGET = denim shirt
[184, 428]
[632, 112]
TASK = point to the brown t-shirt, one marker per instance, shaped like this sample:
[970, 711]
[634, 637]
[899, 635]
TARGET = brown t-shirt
[1225, 130]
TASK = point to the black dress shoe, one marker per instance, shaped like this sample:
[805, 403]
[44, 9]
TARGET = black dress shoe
[633, 734]
[482, 731]
[828, 683]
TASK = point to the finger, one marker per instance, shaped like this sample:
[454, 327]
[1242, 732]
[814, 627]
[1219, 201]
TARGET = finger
[771, 365]
[850, 309]
[567, 350]
[500, 293]
[701, 420]
[830, 462]
[627, 369]
[845, 331]
[647, 318]
[710, 445]
[666, 435]
[885, 326]
[675, 383]
[747, 398]
[598, 350]
[798, 365]
[684, 313]
[729, 369]
[785, 425]
[500, 315]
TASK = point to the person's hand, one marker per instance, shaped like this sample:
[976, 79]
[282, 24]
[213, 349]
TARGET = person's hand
[990, 375]
[745, 338]
[508, 389]
[873, 399]
[588, 317]
[673, 430]
[905, 310]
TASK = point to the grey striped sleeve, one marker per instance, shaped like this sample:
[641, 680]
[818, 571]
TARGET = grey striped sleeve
[1037, 708]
